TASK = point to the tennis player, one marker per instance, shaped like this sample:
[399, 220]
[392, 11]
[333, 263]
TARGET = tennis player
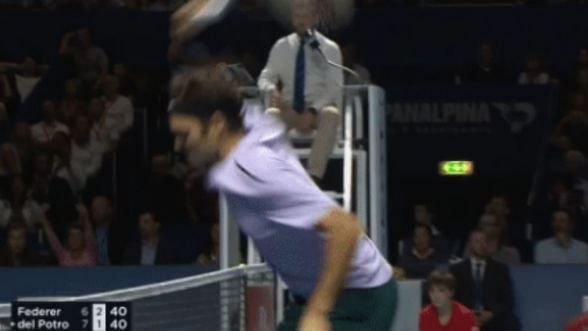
[338, 278]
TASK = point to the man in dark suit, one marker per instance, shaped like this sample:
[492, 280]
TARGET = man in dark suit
[485, 286]
[109, 233]
[151, 249]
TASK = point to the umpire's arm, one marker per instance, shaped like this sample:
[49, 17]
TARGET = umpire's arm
[342, 231]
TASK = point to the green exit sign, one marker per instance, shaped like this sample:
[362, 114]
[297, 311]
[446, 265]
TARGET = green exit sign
[456, 168]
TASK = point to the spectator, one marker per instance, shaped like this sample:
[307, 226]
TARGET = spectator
[513, 232]
[582, 81]
[61, 148]
[121, 72]
[211, 257]
[7, 97]
[350, 60]
[86, 154]
[562, 247]
[578, 324]
[17, 252]
[561, 197]
[91, 60]
[497, 248]
[443, 313]
[165, 192]
[20, 205]
[80, 250]
[583, 58]
[499, 207]
[576, 172]
[118, 109]
[578, 102]
[10, 165]
[572, 132]
[152, 248]
[423, 258]
[310, 95]
[43, 132]
[97, 118]
[485, 286]
[4, 122]
[52, 193]
[535, 73]
[27, 77]
[72, 104]
[424, 216]
[487, 69]
[22, 140]
[109, 238]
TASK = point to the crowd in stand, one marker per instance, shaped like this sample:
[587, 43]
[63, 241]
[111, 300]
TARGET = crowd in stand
[551, 229]
[60, 150]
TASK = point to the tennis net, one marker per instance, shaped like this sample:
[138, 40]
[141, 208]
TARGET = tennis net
[236, 299]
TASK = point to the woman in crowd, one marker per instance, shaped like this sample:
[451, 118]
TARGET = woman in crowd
[80, 249]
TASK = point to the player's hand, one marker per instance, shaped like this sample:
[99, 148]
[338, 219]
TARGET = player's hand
[182, 26]
[314, 321]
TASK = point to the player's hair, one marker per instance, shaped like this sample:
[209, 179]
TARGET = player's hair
[203, 91]
[441, 279]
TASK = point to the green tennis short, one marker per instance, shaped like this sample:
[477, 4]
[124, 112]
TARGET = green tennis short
[371, 309]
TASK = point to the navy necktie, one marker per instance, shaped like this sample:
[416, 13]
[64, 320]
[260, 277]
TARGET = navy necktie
[298, 102]
[478, 277]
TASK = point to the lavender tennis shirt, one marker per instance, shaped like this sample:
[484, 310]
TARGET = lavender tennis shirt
[278, 206]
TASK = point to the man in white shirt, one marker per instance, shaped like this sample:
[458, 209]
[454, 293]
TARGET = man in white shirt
[86, 154]
[27, 78]
[44, 131]
[562, 247]
[306, 91]
[118, 110]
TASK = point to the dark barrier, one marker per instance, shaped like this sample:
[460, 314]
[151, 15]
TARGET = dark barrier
[54, 281]
[501, 129]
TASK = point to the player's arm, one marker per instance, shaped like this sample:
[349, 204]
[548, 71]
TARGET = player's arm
[195, 16]
[342, 231]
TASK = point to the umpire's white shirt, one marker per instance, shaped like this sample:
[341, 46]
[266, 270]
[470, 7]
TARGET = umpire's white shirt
[323, 83]
[278, 206]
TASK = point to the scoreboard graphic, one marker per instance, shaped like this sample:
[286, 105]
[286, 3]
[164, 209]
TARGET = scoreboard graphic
[73, 316]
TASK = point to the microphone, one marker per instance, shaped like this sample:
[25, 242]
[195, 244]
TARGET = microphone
[316, 46]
